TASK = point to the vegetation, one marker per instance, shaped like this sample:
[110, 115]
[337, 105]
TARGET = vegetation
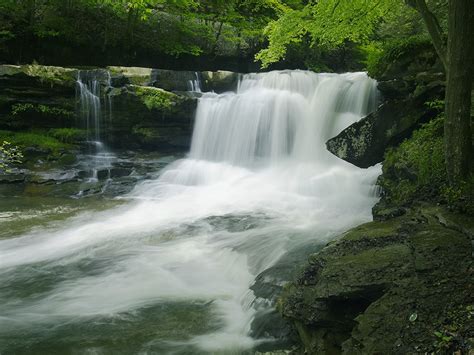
[334, 22]
[9, 156]
[28, 108]
[307, 34]
[39, 139]
[416, 170]
[125, 31]
[155, 98]
[67, 135]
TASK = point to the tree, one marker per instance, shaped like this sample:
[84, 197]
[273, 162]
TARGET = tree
[457, 127]
[332, 22]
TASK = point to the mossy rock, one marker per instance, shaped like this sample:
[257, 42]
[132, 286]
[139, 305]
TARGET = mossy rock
[155, 98]
[52, 75]
[40, 140]
[220, 81]
[130, 75]
[386, 287]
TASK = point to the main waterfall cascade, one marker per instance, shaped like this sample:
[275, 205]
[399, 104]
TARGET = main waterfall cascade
[171, 270]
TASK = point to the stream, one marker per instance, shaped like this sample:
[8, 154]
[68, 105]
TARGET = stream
[168, 267]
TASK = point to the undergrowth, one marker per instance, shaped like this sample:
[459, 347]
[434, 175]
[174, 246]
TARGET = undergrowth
[416, 171]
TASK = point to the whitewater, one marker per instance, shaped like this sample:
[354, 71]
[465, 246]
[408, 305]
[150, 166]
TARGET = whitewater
[186, 247]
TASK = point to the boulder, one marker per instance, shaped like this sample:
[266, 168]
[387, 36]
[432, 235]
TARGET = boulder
[364, 142]
[388, 287]
[219, 81]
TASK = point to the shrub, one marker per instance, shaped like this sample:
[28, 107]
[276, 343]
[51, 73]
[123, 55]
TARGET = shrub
[68, 135]
[37, 139]
[416, 170]
[9, 155]
[28, 108]
[381, 56]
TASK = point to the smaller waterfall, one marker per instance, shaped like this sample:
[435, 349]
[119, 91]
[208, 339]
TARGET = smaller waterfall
[89, 101]
[195, 84]
[89, 93]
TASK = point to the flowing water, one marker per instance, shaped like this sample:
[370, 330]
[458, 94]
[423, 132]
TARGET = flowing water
[194, 85]
[169, 271]
[92, 117]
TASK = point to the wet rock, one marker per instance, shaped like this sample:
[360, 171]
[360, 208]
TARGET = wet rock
[359, 294]
[220, 81]
[364, 142]
[151, 118]
[173, 80]
[119, 172]
[269, 284]
[12, 178]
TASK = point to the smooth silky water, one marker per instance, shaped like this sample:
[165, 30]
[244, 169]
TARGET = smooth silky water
[169, 271]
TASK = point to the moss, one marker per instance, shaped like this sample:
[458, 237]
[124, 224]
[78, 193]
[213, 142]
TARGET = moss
[134, 75]
[146, 132]
[29, 108]
[372, 231]
[416, 170]
[156, 99]
[67, 135]
[387, 295]
[51, 75]
[39, 139]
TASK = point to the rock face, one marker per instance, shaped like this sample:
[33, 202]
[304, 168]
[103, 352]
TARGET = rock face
[408, 85]
[145, 108]
[172, 80]
[150, 118]
[399, 286]
[33, 96]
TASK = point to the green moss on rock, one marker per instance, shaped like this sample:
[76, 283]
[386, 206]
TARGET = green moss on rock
[51, 75]
[132, 75]
[38, 139]
[155, 98]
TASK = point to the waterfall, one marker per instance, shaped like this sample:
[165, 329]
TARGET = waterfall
[279, 116]
[90, 105]
[172, 269]
[89, 93]
[194, 85]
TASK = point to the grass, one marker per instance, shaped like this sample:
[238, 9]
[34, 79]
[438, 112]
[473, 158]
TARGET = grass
[39, 139]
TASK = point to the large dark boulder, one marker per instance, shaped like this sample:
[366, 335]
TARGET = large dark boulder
[409, 83]
[364, 142]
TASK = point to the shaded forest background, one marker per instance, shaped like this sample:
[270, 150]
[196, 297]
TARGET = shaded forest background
[196, 35]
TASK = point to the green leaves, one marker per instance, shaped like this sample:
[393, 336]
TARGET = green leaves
[328, 23]
[9, 155]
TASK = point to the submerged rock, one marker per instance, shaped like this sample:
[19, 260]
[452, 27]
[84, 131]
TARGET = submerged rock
[359, 295]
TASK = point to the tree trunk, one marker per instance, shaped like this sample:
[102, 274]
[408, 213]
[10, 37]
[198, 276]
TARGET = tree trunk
[457, 128]
[434, 29]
